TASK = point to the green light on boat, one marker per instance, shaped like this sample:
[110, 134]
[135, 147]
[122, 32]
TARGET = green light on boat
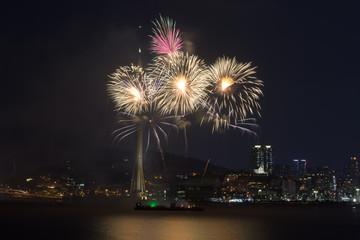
[153, 204]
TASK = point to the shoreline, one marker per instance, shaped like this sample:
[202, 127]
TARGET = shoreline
[128, 203]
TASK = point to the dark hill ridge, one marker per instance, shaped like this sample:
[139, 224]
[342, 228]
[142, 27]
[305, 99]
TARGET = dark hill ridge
[176, 164]
[116, 166]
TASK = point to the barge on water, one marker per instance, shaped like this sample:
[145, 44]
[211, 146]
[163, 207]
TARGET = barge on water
[172, 207]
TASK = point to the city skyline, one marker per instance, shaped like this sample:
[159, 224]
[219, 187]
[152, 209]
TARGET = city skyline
[56, 66]
[180, 120]
[189, 181]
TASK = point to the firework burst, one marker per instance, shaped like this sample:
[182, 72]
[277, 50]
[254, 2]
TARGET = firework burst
[185, 85]
[177, 84]
[133, 92]
[235, 92]
[128, 89]
[166, 38]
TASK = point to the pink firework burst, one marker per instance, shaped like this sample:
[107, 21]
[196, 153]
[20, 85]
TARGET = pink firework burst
[166, 39]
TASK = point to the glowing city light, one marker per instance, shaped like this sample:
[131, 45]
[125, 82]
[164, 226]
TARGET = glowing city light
[153, 204]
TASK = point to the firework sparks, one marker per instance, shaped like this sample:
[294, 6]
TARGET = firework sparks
[235, 94]
[151, 121]
[128, 89]
[133, 93]
[186, 84]
[176, 84]
[166, 39]
[136, 93]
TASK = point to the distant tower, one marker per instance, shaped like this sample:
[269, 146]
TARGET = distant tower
[296, 166]
[268, 159]
[302, 167]
[354, 171]
[262, 160]
[299, 167]
[257, 163]
[138, 181]
[69, 174]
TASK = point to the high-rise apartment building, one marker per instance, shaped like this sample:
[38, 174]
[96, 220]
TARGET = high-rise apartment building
[268, 159]
[354, 171]
[262, 159]
[302, 167]
[257, 162]
[296, 165]
[299, 167]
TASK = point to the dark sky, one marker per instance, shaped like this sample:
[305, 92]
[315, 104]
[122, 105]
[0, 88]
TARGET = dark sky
[56, 55]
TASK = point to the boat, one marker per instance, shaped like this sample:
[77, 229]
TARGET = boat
[172, 207]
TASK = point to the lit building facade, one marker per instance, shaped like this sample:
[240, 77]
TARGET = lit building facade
[299, 167]
[257, 163]
[262, 159]
[268, 159]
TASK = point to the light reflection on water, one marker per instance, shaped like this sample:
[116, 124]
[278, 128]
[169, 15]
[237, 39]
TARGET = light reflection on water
[164, 226]
[101, 222]
[245, 224]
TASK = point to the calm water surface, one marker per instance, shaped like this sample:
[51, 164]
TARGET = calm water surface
[243, 222]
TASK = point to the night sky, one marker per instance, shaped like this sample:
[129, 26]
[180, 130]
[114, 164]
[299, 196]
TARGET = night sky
[56, 56]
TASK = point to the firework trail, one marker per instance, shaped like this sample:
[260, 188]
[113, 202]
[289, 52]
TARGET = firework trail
[235, 93]
[184, 124]
[153, 122]
[205, 169]
[166, 38]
